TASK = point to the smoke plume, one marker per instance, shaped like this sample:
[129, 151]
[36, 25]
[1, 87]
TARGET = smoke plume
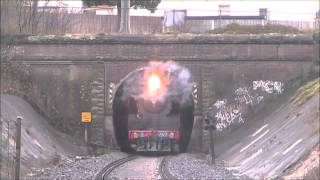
[176, 82]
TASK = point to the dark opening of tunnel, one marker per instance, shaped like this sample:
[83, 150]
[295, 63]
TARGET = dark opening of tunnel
[122, 107]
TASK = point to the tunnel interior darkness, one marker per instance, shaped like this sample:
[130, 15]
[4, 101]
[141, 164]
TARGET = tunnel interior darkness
[120, 115]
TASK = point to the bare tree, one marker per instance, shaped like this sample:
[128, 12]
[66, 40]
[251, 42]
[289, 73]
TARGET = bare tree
[33, 18]
[25, 17]
[19, 9]
[21, 14]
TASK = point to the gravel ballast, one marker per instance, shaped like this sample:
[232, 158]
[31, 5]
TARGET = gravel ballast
[77, 168]
[187, 166]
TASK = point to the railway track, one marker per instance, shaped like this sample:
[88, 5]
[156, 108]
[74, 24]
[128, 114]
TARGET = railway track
[106, 171]
[162, 168]
[103, 174]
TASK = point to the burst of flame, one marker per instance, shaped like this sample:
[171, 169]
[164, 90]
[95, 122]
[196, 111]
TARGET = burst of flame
[154, 84]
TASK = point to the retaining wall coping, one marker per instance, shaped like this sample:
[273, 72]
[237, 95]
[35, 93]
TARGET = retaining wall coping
[161, 39]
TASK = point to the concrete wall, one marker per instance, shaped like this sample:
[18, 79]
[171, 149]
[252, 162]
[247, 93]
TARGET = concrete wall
[72, 74]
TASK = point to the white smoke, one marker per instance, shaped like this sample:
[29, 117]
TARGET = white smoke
[178, 85]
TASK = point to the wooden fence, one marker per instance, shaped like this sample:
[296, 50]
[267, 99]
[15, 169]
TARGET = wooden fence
[22, 20]
[59, 21]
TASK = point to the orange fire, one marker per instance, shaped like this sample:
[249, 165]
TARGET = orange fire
[155, 83]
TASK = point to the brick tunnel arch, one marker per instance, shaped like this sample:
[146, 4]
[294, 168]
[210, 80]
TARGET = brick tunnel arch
[120, 111]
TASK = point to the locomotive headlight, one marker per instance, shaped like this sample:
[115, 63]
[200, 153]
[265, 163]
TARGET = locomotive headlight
[154, 84]
[171, 135]
[135, 135]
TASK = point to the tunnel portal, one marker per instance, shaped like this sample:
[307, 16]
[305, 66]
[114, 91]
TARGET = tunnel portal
[124, 103]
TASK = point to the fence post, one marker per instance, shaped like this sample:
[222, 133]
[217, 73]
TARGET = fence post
[18, 147]
[0, 146]
[213, 157]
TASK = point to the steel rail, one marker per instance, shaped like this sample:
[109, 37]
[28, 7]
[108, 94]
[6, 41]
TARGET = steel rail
[103, 174]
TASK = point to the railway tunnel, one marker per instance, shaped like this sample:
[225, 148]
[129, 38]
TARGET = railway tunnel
[124, 101]
[80, 70]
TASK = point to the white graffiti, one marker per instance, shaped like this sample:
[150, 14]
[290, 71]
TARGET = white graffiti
[226, 115]
[268, 86]
[241, 91]
[220, 104]
[244, 96]
[259, 99]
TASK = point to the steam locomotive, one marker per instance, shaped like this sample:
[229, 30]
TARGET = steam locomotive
[143, 123]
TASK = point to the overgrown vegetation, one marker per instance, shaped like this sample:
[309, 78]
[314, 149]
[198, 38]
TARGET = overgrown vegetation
[15, 76]
[306, 92]
[255, 29]
[149, 4]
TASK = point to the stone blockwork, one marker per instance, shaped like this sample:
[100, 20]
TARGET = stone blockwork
[207, 98]
[181, 47]
[197, 135]
[110, 139]
[72, 74]
[98, 106]
[62, 92]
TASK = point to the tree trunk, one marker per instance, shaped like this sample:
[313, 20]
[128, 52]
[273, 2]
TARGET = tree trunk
[34, 21]
[118, 14]
[125, 17]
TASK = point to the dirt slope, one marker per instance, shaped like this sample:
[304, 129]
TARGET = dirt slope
[41, 144]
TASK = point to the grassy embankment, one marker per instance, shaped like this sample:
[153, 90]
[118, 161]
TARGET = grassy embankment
[306, 92]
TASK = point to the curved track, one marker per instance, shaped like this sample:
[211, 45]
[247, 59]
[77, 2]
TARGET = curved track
[103, 174]
[130, 167]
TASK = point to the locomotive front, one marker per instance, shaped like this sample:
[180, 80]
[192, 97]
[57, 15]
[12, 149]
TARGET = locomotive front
[153, 109]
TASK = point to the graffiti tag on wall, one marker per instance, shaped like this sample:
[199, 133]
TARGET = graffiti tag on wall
[245, 96]
[268, 86]
[227, 113]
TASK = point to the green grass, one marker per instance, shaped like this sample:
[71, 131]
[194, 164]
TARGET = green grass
[255, 29]
[306, 92]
